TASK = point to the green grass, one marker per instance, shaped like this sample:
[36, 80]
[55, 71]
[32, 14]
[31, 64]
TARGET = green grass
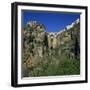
[56, 65]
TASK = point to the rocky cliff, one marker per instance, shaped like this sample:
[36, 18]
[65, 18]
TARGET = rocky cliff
[42, 48]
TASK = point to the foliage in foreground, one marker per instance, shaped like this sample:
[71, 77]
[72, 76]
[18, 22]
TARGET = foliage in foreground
[52, 67]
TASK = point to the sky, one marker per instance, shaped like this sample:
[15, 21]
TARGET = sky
[53, 21]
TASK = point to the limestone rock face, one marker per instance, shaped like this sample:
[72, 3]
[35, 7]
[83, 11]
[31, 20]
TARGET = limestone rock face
[33, 43]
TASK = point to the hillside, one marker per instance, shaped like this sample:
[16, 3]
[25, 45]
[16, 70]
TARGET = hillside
[48, 54]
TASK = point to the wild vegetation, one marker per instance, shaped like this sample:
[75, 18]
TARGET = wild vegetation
[45, 54]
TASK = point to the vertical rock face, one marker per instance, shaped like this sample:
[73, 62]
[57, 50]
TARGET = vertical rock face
[33, 41]
[69, 40]
[39, 45]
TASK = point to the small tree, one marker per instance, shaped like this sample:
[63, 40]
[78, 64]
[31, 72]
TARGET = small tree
[46, 41]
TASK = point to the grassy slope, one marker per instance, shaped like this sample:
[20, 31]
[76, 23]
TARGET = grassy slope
[63, 66]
